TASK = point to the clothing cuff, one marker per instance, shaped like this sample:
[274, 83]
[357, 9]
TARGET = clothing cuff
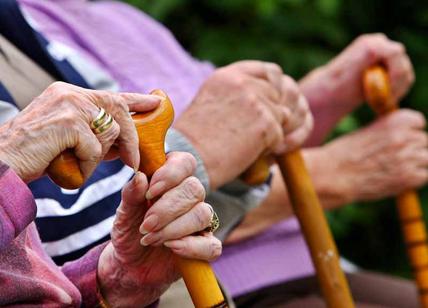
[83, 274]
[175, 141]
[17, 205]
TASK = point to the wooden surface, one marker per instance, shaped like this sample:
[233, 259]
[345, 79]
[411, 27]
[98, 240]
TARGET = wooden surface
[316, 231]
[151, 128]
[378, 94]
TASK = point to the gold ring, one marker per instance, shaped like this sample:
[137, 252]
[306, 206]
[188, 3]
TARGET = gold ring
[214, 223]
[102, 122]
[99, 119]
[108, 122]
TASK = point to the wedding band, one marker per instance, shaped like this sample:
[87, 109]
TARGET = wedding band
[99, 119]
[214, 223]
[102, 122]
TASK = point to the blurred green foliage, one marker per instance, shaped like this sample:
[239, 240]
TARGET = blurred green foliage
[301, 35]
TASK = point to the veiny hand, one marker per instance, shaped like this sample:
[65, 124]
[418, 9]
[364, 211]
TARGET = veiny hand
[243, 110]
[378, 161]
[60, 118]
[342, 77]
[383, 159]
[135, 269]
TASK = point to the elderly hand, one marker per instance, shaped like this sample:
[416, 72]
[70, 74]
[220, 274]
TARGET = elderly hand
[243, 110]
[60, 118]
[383, 159]
[340, 80]
[378, 161]
[138, 264]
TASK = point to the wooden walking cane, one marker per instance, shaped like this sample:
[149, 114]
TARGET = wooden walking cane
[378, 94]
[151, 128]
[316, 231]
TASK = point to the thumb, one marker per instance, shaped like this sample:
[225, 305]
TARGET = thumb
[133, 194]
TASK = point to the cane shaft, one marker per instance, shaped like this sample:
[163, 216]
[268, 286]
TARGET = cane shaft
[151, 129]
[378, 94]
[198, 275]
[317, 234]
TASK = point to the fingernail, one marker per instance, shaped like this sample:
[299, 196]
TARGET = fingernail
[149, 224]
[155, 190]
[136, 180]
[150, 239]
[178, 244]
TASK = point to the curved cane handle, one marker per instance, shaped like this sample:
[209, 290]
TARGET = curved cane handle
[64, 169]
[377, 90]
[151, 129]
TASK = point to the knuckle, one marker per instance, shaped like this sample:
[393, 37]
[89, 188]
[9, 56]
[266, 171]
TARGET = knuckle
[215, 249]
[186, 160]
[274, 68]
[193, 189]
[202, 216]
[292, 88]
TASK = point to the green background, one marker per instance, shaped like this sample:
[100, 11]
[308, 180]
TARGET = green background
[300, 35]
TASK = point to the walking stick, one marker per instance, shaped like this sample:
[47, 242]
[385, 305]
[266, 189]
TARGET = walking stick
[151, 128]
[378, 94]
[316, 231]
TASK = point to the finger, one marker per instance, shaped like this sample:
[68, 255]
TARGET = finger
[178, 166]
[295, 139]
[268, 71]
[173, 204]
[133, 207]
[117, 106]
[195, 220]
[133, 193]
[298, 117]
[405, 118]
[290, 92]
[141, 102]
[401, 74]
[88, 150]
[203, 247]
[108, 137]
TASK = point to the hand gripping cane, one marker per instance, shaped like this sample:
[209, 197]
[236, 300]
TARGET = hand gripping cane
[378, 94]
[310, 214]
[151, 128]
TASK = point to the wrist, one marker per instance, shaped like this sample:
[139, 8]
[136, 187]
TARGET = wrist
[122, 286]
[330, 180]
[327, 88]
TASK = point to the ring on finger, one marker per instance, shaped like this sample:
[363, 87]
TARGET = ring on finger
[102, 122]
[214, 222]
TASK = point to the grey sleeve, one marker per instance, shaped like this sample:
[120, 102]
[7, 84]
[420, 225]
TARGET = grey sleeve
[232, 201]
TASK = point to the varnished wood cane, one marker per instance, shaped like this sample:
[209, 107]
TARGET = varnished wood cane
[313, 223]
[378, 94]
[151, 128]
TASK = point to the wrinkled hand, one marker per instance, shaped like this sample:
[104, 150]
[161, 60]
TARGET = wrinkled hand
[243, 110]
[60, 118]
[386, 158]
[137, 266]
[341, 78]
[378, 161]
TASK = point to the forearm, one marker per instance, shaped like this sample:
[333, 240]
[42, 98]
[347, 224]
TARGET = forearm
[319, 88]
